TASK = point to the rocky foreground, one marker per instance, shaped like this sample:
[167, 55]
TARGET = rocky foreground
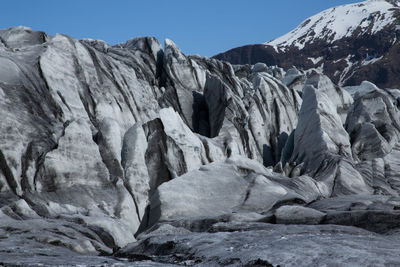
[138, 155]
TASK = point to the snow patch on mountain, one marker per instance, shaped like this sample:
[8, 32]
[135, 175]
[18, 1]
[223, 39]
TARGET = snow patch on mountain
[349, 65]
[371, 60]
[315, 60]
[368, 17]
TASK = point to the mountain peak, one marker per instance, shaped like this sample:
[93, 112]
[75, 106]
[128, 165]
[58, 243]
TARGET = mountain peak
[367, 17]
[393, 2]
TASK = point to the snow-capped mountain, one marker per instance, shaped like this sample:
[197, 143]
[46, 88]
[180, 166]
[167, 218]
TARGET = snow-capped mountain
[331, 25]
[349, 43]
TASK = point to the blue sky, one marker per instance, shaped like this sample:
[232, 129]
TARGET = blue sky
[204, 27]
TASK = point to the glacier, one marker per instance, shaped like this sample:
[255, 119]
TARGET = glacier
[139, 155]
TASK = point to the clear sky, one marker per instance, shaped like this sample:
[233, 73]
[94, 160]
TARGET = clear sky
[204, 27]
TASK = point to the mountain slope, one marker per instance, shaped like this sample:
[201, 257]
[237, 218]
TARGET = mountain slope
[349, 43]
[331, 25]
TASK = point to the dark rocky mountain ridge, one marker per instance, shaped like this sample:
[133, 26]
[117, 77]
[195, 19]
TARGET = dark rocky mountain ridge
[363, 54]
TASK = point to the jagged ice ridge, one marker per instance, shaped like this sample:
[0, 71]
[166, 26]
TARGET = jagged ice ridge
[142, 152]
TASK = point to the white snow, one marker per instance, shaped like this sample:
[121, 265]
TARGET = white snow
[338, 22]
[346, 70]
[371, 61]
[315, 60]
